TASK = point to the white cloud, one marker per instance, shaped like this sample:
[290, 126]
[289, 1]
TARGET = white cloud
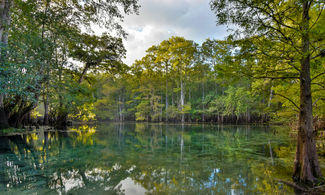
[160, 19]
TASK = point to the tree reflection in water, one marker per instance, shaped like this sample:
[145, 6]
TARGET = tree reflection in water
[138, 158]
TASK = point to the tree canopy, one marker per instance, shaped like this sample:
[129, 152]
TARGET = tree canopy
[283, 40]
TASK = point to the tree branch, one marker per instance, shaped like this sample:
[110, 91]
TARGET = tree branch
[272, 15]
[320, 13]
[319, 84]
[321, 54]
[288, 100]
[273, 56]
[316, 101]
[270, 77]
[315, 77]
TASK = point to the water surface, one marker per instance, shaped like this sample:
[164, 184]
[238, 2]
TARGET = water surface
[141, 158]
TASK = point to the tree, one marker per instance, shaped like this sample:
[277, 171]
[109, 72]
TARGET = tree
[4, 29]
[173, 57]
[162, 58]
[96, 52]
[267, 27]
[182, 53]
[38, 38]
[200, 76]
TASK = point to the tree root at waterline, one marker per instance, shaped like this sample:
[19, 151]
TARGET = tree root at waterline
[304, 189]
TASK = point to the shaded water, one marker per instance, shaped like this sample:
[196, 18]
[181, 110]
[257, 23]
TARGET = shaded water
[130, 158]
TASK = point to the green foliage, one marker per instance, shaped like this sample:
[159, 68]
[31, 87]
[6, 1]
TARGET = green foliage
[268, 47]
[47, 43]
[175, 68]
[233, 78]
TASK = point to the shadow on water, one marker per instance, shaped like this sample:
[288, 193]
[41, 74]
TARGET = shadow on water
[138, 158]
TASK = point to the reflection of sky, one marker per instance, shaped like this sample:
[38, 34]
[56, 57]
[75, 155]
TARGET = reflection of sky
[72, 181]
[213, 178]
[130, 187]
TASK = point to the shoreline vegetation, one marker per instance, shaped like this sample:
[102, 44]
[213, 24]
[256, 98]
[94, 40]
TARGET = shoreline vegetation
[270, 70]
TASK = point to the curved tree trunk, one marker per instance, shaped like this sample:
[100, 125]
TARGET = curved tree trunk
[84, 71]
[306, 165]
[16, 119]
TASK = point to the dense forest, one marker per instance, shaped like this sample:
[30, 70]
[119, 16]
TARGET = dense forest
[180, 80]
[55, 68]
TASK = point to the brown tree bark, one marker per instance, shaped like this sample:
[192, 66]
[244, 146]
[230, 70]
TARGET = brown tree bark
[306, 165]
[84, 71]
[4, 26]
[3, 116]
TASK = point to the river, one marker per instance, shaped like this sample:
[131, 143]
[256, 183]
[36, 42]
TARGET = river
[148, 158]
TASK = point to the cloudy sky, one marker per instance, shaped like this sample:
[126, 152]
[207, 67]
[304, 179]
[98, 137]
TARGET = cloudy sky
[160, 19]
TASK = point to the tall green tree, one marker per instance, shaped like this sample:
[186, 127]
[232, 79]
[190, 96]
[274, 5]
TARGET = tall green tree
[278, 37]
[181, 52]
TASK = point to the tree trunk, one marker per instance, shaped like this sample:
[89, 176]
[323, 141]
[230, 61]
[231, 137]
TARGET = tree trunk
[84, 71]
[46, 83]
[203, 107]
[306, 166]
[62, 117]
[166, 65]
[172, 98]
[16, 119]
[182, 101]
[3, 116]
[117, 115]
[61, 122]
[122, 115]
[46, 110]
[161, 108]
[270, 99]
[5, 23]
[4, 26]
[120, 108]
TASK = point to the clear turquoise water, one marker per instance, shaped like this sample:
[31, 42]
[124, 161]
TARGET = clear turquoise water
[130, 158]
